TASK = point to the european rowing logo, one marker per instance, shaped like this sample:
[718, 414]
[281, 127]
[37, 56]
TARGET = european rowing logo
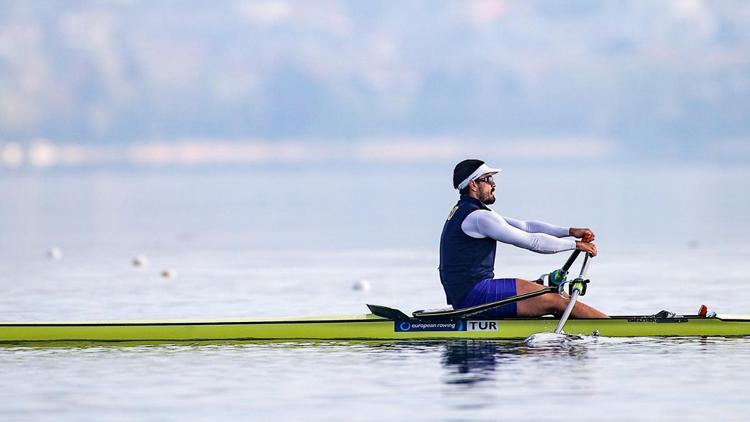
[412, 326]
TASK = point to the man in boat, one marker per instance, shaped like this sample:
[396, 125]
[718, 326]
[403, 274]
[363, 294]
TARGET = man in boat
[469, 241]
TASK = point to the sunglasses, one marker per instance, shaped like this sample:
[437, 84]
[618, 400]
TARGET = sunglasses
[487, 179]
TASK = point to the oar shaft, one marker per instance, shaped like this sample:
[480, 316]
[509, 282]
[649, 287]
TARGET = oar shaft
[568, 310]
[577, 283]
[473, 310]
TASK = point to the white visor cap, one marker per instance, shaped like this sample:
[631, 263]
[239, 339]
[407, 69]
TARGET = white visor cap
[483, 169]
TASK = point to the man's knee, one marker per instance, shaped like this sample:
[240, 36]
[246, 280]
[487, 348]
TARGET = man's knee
[554, 303]
[526, 286]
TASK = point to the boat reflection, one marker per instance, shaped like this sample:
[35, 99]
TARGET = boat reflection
[475, 361]
[471, 362]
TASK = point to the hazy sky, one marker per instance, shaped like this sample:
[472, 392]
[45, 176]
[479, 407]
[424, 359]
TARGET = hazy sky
[644, 77]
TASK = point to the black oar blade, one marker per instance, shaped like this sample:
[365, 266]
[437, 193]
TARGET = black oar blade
[386, 312]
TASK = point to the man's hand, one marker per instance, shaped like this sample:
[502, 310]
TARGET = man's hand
[587, 247]
[584, 234]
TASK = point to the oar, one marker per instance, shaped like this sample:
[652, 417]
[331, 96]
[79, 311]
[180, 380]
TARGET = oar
[477, 309]
[570, 260]
[397, 315]
[473, 310]
[577, 286]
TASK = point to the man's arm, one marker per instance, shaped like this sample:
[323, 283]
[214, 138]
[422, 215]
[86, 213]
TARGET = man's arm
[538, 227]
[585, 234]
[484, 223]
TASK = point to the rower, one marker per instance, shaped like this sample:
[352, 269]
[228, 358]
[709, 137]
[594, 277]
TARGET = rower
[469, 241]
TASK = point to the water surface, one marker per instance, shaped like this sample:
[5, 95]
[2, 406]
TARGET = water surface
[268, 243]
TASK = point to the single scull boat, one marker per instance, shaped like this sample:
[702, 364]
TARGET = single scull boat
[384, 323]
[368, 326]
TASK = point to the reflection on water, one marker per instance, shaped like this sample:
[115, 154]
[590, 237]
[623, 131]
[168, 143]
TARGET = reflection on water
[466, 361]
[454, 380]
[470, 362]
[474, 361]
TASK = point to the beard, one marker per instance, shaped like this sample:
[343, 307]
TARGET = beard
[489, 199]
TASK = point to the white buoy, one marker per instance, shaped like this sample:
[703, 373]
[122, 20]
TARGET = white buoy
[140, 261]
[54, 253]
[361, 286]
[169, 273]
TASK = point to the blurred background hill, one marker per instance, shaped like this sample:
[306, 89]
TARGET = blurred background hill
[196, 82]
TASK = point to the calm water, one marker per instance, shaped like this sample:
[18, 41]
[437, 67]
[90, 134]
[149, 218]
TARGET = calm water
[292, 242]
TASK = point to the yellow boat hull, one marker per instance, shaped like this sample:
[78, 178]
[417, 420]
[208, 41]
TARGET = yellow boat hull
[364, 327]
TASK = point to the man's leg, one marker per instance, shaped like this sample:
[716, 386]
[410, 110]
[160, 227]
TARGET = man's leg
[551, 303]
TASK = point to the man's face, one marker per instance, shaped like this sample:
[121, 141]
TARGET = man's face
[486, 188]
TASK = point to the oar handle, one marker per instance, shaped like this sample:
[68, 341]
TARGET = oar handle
[571, 260]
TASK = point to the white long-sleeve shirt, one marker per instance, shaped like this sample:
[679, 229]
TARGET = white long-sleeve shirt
[535, 236]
